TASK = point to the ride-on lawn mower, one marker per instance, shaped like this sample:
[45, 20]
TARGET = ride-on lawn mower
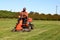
[24, 27]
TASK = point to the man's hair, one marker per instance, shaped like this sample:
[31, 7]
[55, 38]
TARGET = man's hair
[24, 9]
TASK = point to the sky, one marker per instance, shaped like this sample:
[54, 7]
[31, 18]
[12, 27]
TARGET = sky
[41, 6]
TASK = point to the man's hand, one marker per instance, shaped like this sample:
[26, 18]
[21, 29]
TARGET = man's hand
[18, 16]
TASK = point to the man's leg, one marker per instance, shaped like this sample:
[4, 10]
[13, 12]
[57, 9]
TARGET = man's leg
[19, 19]
[24, 20]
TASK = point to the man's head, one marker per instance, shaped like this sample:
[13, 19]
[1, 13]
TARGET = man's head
[24, 9]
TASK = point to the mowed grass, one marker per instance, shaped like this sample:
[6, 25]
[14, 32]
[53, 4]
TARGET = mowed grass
[43, 30]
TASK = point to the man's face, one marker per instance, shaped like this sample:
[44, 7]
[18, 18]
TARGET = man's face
[24, 9]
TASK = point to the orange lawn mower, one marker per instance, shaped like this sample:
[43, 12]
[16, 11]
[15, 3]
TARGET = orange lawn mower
[25, 27]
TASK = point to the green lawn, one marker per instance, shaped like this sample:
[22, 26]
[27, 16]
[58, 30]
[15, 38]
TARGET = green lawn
[43, 30]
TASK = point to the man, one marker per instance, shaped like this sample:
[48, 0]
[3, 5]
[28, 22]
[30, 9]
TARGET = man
[23, 16]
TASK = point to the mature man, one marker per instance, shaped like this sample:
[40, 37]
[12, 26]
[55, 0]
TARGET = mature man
[23, 16]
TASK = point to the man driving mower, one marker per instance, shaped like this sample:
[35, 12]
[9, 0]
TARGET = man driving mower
[24, 23]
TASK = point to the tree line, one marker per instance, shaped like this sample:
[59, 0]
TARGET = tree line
[33, 15]
[8, 14]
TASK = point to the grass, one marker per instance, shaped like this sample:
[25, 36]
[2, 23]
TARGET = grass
[43, 30]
